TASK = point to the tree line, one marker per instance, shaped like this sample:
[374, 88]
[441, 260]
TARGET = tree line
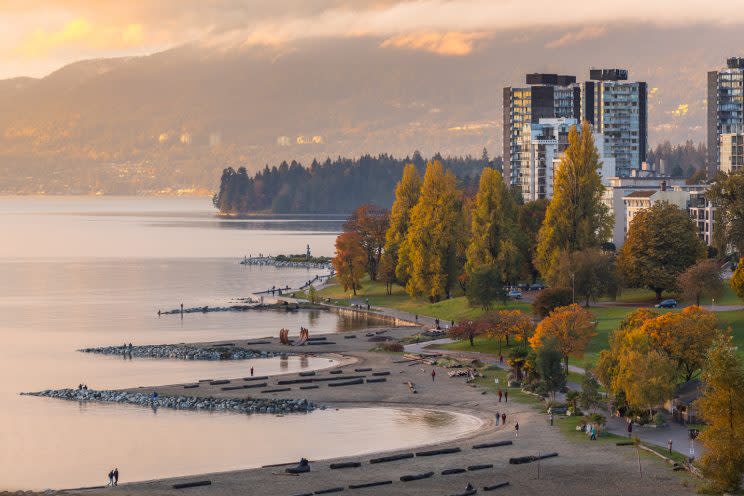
[338, 185]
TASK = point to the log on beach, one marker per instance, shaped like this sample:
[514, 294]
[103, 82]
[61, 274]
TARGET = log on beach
[185, 485]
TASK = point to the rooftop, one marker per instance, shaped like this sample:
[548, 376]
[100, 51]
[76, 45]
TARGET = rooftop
[641, 194]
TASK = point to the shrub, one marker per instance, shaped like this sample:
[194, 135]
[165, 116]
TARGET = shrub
[549, 299]
[392, 346]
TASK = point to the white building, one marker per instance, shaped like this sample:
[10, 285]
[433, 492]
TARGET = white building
[731, 152]
[545, 142]
[643, 199]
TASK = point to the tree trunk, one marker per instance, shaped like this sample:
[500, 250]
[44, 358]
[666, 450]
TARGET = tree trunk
[658, 293]
[565, 357]
[472, 341]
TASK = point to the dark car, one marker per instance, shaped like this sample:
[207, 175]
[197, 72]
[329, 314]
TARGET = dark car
[537, 287]
[667, 304]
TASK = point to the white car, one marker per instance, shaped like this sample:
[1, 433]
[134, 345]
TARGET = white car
[517, 295]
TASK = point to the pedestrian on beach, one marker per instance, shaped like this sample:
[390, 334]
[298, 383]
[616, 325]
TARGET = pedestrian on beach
[111, 478]
[506, 395]
[551, 419]
[630, 429]
[501, 394]
[669, 444]
[116, 476]
[516, 429]
[251, 371]
[503, 419]
[498, 417]
[433, 374]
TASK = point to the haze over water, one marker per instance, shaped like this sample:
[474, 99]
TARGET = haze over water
[81, 272]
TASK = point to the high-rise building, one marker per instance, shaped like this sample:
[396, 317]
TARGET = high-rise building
[725, 107]
[543, 144]
[617, 108]
[543, 96]
[731, 152]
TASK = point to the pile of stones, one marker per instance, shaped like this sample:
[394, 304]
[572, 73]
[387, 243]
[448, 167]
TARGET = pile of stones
[183, 352]
[246, 406]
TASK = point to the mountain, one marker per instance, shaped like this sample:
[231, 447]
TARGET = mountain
[174, 119]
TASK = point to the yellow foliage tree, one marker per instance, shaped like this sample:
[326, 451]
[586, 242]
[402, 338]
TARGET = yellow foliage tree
[435, 240]
[407, 193]
[722, 407]
[571, 327]
[737, 281]
[350, 260]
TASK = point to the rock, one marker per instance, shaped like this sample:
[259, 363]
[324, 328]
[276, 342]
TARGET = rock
[183, 352]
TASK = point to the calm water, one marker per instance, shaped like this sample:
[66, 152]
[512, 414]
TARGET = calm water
[78, 272]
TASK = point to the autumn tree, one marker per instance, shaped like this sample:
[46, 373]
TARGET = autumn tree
[684, 337]
[722, 407]
[371, 224]
[435, 238]
[350, 260]
[571, 327]
[576, 217]
[386, 272]
[407, 193]
[662, 242]
[549, 299]
[727, 194]
[468, 329]
[531, 217]
[504, 323]
[701, 280]
[737, 280]
[494, 229]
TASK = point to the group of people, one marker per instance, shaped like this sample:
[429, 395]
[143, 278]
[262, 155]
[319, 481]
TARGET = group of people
[127, 348]
[82, 387]
[113, 476]
[504, 394]
[501, 418]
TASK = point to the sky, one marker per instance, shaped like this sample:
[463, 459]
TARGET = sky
[37, 37]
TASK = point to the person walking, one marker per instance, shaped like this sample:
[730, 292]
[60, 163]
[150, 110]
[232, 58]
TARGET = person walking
[516, 429]
[501, 394]
[669, 444]
[551, 419]
[116, 476]
[111, 478]
[593, 433]
[251, 371]
[630, 429]
[433, 375]
[503, 419]
[506, 395]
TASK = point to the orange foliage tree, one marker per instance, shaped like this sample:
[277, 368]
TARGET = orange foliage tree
[468, 329]
[350, 260]
[571, 327]
[504, 323]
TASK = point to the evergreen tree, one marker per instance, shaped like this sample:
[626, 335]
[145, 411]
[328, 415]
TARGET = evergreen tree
[576, 217]
[434, 241]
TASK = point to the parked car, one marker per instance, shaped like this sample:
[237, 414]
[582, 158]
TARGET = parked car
[667, 304]
[537, 287]
[517, 295]
[523, 287]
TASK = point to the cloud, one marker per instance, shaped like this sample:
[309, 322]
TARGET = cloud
[584, 34]
[79, 33]
[681, 110]
[452, 43]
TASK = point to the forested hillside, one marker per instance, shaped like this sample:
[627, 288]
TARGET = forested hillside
[338, 185]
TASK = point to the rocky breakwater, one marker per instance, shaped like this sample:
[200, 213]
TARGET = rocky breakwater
[246, 406]
[183, 352]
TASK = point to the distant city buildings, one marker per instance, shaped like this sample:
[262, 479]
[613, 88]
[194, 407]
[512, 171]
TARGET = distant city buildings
[616, 109]
[725, 110]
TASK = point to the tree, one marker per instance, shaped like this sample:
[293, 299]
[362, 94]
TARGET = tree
[590, 396]
[407, 193]
[386, 272]
[466, 330]
[548, 363]
[549, 299]
[371, 223]
[662, 242]
[727, 194]
[484, 287]
[494, 225]
[435, 237]
[683, 337]
[350, 260]
[701, 280]
[722, 407]
[576, 217]
[590, 273]
[504, 323]
[571, 327]
[312, 294]
[737, 280]
[531, 217]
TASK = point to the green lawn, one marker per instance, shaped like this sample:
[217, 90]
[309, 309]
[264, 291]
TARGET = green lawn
[455, 308]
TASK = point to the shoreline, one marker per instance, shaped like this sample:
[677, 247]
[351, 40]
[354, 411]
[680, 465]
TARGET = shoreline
[616, 467]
